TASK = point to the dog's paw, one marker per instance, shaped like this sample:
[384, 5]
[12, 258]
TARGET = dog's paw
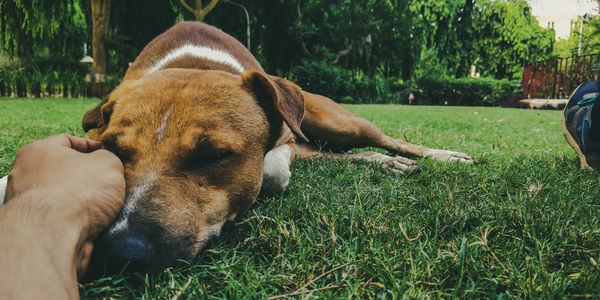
[446, 155]
[399, 164]
[276, 170]
[395, 164]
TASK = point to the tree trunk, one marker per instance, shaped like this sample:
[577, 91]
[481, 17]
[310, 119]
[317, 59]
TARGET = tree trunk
[24, 48]
[22, 55]
[100, 20]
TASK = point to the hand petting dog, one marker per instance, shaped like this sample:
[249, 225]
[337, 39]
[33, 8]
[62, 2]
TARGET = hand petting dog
[62, 192]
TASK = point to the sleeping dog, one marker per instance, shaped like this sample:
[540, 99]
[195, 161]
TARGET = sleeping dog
[201, 130]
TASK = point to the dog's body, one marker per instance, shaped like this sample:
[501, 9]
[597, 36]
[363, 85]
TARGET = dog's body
[201, 129]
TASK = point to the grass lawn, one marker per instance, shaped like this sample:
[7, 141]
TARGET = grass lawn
[520, 222]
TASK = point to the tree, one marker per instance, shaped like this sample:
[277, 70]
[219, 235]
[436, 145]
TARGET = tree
[15, 41]
[133, 24]
[38, 26]
[445, 33]
[365, 36]
[273, 42]
[508, 37]
[100, 22]
[589, 38]
[565, 47]
[199, 11]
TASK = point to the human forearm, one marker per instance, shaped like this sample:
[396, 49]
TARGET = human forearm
[61, 193]
[37, 251]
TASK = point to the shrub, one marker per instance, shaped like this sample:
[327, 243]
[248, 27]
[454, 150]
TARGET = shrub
[342, 85]
[44, 77]
[32, 82]
[465, 91]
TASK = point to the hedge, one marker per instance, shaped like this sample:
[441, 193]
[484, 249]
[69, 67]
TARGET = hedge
[337, 83]
[465, 91]
[343, 86]
[48, 76]
[33, 83]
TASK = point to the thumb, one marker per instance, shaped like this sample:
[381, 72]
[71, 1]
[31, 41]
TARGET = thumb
[80, 144]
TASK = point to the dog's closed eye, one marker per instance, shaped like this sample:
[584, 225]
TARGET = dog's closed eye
[204, 159]
[111, 143]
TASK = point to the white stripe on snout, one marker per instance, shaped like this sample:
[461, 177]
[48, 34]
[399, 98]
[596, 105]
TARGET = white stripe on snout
[163, 125]
[131, 202]
[214, 55]
[210, 231]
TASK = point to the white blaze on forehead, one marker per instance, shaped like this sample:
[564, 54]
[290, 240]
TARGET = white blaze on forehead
[214, 55]
[163, 125]
[131, 202]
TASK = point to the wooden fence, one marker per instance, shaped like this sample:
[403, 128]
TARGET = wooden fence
[557, 78]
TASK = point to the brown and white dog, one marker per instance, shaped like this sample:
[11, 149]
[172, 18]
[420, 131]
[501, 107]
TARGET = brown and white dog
[202, 129]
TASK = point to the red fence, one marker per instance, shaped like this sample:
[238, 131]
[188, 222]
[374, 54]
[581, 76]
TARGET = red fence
[557, 78]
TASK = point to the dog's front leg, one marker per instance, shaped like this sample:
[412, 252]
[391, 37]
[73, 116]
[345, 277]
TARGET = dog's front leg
[3, 184]
[276, 169]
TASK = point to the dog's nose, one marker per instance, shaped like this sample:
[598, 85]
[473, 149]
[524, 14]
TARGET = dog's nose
[112, 252]
[122, 248]
[131, 248]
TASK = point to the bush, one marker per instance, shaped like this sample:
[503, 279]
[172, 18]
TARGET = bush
[465, 91]
[11, 82]
[21, 83]
[45, 77]
[111, 83]
[343, 86]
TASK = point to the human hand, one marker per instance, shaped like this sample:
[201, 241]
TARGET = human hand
[70, 174]
[72, 183]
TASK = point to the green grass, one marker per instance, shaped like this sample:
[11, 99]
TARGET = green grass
[521, 222]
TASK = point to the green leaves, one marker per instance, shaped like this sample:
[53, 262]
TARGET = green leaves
[589, 36]
[465, 91]
[405, 39]
[29, 27]
[509, 37]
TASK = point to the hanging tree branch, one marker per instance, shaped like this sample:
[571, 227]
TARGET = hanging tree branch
[187, 6]
[300, 39]
[199, 12]
[340, 54]
[304, 48]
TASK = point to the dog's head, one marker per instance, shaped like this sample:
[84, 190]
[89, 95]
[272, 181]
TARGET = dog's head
[193, 144]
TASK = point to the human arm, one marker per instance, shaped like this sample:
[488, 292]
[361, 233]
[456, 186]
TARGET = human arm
[62, 192]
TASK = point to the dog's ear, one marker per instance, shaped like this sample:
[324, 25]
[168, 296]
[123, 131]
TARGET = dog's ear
[282, 95]
[98, 117]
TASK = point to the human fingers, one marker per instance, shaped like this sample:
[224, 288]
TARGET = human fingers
[83, 255]
[80, 144]
[108, 158]
[109, 171]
